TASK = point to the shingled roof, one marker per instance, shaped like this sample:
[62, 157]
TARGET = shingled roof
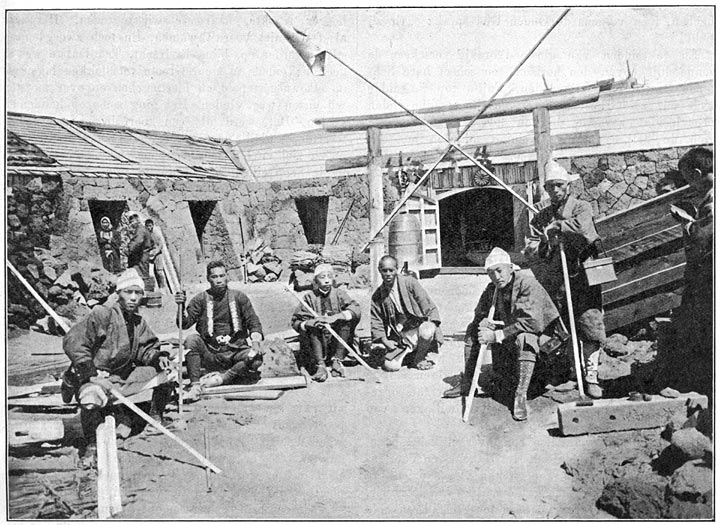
[90, 149]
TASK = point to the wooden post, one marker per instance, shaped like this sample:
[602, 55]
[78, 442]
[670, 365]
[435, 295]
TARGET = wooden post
[377, 213]
[543, 146]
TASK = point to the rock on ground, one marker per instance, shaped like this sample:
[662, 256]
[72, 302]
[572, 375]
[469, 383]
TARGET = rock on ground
[692, 482]
[691, 442]
[633, 498]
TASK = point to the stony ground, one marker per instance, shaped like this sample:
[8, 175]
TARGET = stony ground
[351, 449]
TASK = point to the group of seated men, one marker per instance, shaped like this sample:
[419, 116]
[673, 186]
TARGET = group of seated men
[114, 348]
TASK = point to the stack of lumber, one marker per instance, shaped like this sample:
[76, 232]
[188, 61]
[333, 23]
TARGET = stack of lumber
[646, 245]
[261, 262]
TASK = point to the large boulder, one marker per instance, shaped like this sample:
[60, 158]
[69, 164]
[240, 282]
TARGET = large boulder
[692, 482]
[633, 498]
[691, 443]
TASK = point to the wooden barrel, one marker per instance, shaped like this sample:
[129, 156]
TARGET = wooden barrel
[405, 240]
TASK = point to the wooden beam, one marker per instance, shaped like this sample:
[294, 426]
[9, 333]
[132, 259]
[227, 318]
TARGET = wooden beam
[376, 201]
[166, 151]
[269, 383]
[614, 415]
[26, 431]
[645, 284]
[456, 113]
[637, 311]
[92, 140]
[516, 146]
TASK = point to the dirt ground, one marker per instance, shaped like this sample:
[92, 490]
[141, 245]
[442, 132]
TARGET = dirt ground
[350, 449]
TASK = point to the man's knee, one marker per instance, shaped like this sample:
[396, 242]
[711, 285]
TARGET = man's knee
[527, 346]
[194, 343]
[426, 331]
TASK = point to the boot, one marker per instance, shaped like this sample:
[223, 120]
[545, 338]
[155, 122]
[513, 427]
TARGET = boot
[593, 389]
[520, 402]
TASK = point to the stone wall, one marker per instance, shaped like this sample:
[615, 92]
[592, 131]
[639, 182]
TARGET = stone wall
[612, 183]
[243, 212]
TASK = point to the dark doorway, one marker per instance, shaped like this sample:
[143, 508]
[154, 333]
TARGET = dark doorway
[109, 241]
[313, 213]
[201, 211]
[474, 222]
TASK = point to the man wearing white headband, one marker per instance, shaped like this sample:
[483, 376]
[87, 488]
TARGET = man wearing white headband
[523, 311]
[335, 308]
[569, 221]
[112, 347]
[229, 332]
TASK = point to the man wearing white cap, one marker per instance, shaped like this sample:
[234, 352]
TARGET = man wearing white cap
[336, 308]
[569, 221]
[112, 347]
[523, 311]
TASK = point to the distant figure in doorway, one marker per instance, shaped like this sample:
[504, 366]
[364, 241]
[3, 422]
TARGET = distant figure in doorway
[109, 241]
[335, 308]
[139, 247]
[403, 318]
[156, 253]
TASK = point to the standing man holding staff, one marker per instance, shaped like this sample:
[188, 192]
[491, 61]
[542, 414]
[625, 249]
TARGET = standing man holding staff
[569, 221]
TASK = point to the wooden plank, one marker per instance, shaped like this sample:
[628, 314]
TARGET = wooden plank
[626, 274]
[636, 247]
[614, 415]
[626, 314]
[254, 395]
[113, 467]
[516, 146]
[643, 285]
[103, 479]
[270, 383]
[26, 431]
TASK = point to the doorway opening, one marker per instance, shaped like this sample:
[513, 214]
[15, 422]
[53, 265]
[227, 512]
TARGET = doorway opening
[473, 222]
[313, 212]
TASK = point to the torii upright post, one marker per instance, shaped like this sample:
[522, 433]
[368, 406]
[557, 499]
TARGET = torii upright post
[377, 212]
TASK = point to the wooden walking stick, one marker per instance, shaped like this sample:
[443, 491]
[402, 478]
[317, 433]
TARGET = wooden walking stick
[571, 315]
[478, 365]
[334, 334]
[181, 349]
[132, 406]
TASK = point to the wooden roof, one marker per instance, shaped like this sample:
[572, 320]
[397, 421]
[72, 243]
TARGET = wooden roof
[99, 150]
[624, 119]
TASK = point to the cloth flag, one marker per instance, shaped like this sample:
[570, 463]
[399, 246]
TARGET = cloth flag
[311, 54]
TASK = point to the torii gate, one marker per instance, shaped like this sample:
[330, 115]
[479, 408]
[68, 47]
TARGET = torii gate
[539, 105]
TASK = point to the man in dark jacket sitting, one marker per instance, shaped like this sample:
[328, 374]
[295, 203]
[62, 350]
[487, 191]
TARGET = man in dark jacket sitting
[523, 311]
[403, 315]
[111, 348]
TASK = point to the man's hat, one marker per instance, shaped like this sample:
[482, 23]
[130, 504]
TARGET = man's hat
[323, 268]
[497, 256]
[554, 171]
[129, 278]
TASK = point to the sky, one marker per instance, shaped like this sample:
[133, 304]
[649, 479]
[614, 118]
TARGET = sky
[228, 73]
